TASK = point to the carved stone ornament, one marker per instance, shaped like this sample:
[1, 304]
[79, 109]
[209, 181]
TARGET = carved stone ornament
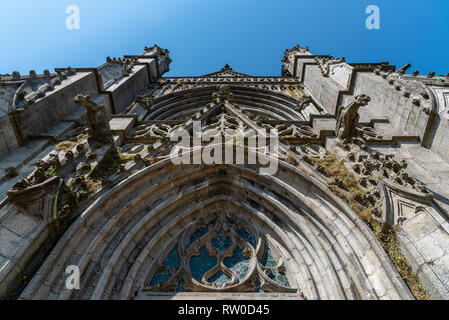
[303, 102]
[97, 119]
[36, 199]
[223, 93]
[400, 203]
[348, 117]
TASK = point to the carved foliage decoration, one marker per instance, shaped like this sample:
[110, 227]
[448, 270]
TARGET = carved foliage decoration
[222, 253]
[291, 130]
[226, 125]
[154, 130]
[223, 93]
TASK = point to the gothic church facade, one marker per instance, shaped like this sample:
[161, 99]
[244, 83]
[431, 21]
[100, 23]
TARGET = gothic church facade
[357, 208]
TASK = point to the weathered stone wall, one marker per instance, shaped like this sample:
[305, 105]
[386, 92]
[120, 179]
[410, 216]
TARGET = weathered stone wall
[300, 65]
[424, 240]
[323, 89]
[440, 138]
[22, 237]
[118, 220]
[124, 92]
[8, 139]
[389, 103]
[41, 116]
[422, 223]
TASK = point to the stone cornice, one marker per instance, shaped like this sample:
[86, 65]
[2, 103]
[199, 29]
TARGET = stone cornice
[231, 79]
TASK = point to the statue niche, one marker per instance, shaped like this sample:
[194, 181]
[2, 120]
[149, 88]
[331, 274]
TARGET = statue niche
[97, 119]
[348, 117]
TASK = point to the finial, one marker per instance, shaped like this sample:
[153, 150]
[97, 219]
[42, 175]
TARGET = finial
[16, 75]
[226, 67]
[404, 68]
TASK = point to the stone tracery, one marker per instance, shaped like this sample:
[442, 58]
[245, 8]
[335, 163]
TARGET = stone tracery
[223, 254]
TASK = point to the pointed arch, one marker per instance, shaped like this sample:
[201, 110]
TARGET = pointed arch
[183, 103]
[329, 252]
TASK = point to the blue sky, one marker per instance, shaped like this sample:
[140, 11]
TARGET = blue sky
[203, 35]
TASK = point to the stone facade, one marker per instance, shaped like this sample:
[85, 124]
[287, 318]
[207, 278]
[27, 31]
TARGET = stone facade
[358, 208]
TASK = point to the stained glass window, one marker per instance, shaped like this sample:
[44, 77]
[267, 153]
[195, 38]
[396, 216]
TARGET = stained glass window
[221, 255]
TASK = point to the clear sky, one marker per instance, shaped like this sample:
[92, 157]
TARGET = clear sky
[203, 35]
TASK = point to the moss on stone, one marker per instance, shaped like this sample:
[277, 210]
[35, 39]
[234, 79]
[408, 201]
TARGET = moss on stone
[390, 243]
[65, 145]
[126, 157]
[354, 198]
[92, 184]
[11, 172]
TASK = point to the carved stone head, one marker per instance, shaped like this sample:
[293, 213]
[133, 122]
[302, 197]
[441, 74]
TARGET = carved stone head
[362, 99]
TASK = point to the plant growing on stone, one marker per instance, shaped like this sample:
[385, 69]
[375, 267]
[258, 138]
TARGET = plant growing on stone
[354, 198]
[65, 145]
[11, 172]
[291, 160]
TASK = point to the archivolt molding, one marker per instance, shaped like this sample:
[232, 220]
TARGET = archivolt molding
[279, 104]
[329, 253]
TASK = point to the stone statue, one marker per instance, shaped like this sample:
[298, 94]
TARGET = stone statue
[348, 117]
[97, 119]
[39, 176]
[303, 102]
[146, 101]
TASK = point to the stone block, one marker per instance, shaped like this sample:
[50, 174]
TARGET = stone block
[21, 224]
[434, 245]
[419, 226]
[10, 243]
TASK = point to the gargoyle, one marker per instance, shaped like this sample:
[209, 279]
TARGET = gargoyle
[146, 101]
[303, 102]
[97, 119]
[348, 117]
